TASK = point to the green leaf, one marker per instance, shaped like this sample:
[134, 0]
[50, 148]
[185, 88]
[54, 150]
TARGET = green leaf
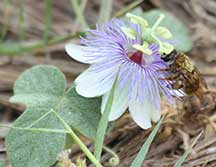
[2, 163]
[41, 89]
[138, 161]
[68, 142]
[181, 37]
[83, 114]
[34, 149]
[39, 84]
[187, 152]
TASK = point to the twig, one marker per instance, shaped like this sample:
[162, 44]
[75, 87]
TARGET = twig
[128, 8]
[82, 6]
[21, 19]
[17, 49]
[185, 137]
[6, 19]
[79, 13]
[105, 11]
[48, 19]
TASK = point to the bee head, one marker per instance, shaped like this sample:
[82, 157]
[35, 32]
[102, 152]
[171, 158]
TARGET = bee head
[169, 57]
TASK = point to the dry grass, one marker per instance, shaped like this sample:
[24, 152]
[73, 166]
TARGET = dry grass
[181, 125]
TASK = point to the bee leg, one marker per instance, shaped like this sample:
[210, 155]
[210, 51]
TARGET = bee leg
[165, 69]
[177, 85]
[170, 78]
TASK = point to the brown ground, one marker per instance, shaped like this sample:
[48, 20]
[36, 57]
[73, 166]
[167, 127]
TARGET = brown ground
[182, 124]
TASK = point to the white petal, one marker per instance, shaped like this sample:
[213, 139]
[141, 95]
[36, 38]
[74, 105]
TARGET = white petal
[83, 76]
[144, 104]
[141, 113]
[156, 109]
[155, 114]
[92, 84]
[120, 103]
[77, 52]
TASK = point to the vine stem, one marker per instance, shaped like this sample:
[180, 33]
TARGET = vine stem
[79, 13]
[78, 141]
[114, 160]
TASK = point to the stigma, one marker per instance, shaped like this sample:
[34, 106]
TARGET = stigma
[136, 57]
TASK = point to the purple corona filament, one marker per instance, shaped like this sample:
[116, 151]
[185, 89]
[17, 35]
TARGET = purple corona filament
[139, 85]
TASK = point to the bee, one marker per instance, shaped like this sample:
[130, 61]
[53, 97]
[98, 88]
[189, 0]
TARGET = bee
[186, 76]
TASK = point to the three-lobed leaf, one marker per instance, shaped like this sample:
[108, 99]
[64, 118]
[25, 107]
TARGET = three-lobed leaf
[35, 149]
[41, 89]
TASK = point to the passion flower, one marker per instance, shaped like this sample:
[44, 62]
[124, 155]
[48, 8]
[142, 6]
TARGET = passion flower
[139, 86]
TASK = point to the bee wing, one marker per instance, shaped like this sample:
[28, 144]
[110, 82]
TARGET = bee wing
[204, 83]
[202, 80]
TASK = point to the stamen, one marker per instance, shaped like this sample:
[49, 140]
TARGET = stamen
[138, 20]
[163, 32]
[130, 33]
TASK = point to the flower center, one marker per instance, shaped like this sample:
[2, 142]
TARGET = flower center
[136, 57]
